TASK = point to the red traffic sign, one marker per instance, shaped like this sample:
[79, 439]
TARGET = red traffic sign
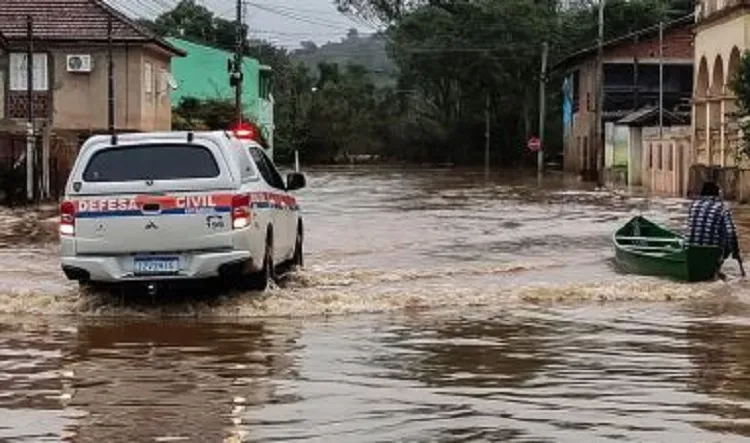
[534, 144]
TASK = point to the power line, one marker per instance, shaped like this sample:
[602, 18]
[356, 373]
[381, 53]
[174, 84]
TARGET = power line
[297, 17]
[301, 18]
[127, 6]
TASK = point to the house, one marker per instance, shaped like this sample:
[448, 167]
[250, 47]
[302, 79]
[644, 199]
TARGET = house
[720, 40]
[630, 85]
[203, 74]
[70, 74]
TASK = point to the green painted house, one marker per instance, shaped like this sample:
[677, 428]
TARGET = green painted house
[203, 74]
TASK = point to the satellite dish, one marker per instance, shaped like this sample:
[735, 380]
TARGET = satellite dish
[171, 81]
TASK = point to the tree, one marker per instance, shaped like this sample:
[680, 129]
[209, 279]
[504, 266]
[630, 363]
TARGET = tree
[207, 114]
[193, 21]
[450, 56]
[740, 85]
[455, 54]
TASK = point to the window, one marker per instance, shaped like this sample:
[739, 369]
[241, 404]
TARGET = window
[267, 169]
[19, 75]
[148, 78]
[576, 90]
[265, 84]
[151, 162]
[163, 85]
[247, 171]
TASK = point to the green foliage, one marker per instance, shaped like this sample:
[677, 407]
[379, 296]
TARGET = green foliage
[193, 21]
[446, 56]
[209, 114]
[740, 85]
[455, 53]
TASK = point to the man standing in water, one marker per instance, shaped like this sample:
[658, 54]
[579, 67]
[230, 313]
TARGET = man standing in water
[710, 222]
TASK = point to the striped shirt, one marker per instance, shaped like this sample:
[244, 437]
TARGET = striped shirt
[710, 223]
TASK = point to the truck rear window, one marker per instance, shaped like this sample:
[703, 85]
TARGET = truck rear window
[151, 162]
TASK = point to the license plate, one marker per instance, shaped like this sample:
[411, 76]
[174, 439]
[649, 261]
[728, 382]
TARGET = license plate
[156, 265]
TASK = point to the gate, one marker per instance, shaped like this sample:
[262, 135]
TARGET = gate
[12, 169]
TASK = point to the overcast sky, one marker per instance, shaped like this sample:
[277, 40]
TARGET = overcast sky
[284, 22]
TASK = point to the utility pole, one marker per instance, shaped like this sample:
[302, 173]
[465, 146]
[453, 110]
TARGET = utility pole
[598, 138]
[238, 72]
[542, 108]
[110, 79]
[661, 79]
[487, 135]
[30, 108]
[636, 98]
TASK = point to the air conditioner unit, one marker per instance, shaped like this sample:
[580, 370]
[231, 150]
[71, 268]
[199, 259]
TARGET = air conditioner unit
[79, 63]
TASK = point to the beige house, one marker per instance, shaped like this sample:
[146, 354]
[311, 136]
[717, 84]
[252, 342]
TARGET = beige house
[70, 76]
[721, 36]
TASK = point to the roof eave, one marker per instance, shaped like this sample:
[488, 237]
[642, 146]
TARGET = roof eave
[168, 47]
[118, 42]
[670, 117]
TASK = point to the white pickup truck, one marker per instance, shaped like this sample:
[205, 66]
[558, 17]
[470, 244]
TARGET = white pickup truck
[152, 207]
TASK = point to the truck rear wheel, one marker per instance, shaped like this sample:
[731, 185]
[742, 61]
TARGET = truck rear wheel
[259, 281]
[298, 259]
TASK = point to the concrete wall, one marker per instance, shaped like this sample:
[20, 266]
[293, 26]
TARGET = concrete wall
[156, 107]
[579, 151]
[81, 102]
[734, 182]
[635, 156]
[717, 39]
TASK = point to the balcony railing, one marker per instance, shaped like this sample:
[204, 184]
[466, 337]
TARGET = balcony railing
[616, 100]
[17, 105]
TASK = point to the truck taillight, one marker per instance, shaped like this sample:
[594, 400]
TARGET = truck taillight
[240, 211]
[67, 218]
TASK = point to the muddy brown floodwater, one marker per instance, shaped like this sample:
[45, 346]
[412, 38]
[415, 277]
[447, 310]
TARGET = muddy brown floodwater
[436, 306]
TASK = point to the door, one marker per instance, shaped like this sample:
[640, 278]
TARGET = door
[284, 219]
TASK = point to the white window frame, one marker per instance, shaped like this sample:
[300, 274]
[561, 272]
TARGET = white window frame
[163, 84]
[148, 78]
[17, 73]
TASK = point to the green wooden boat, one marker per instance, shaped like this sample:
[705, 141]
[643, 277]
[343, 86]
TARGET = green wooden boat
[645, 248]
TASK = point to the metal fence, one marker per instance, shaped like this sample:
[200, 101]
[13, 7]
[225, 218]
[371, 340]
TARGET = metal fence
[13, 168]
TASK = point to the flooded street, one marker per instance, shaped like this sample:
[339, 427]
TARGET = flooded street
[436, 306]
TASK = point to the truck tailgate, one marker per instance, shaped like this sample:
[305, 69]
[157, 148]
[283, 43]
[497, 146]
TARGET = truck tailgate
[147, 223]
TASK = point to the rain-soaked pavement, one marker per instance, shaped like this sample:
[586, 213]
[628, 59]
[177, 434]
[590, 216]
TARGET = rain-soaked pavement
[435, 307]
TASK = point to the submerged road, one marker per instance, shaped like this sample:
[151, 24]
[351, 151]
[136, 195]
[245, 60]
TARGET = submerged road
[436, 306]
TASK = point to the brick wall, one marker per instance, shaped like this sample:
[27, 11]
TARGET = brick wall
[678, 43]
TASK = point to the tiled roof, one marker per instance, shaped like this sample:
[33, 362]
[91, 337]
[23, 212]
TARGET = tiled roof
[73, 20]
